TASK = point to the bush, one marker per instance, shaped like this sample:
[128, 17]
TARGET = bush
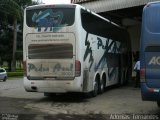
[14, 74]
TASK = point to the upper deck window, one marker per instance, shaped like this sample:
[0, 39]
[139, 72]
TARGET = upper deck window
[50, 17]
[98, 26]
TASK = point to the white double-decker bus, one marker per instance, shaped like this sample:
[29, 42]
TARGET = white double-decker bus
[68, 48]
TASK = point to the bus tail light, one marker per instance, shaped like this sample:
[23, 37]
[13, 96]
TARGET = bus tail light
[142, 75]
[24, 68]
[77, 68]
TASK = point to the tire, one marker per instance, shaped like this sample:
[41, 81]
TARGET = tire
[123, 78]
[49, 94]
[5, 78]
[158, 104]
[95, 90]
[120, 82]
[101, 87]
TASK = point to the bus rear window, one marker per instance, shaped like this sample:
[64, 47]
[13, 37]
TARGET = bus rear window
[50, 17]
[47, 51]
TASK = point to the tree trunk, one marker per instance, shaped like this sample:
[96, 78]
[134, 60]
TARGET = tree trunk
[9, 65]
[13, 68]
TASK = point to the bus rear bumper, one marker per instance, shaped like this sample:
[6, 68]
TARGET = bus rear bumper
[149, 94]
[51, 86]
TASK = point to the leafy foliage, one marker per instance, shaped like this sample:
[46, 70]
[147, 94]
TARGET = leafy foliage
[11, 11]
[10, 7]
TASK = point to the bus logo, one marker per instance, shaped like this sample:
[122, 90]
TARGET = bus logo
[154, 60]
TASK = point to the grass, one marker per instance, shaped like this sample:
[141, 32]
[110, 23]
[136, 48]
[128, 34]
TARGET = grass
[15, 74]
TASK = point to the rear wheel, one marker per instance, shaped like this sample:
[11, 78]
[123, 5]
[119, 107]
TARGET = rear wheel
[5, 78]
[102, 87]
[49, 94]
[95, 90]
[120, 77]
[158, 103]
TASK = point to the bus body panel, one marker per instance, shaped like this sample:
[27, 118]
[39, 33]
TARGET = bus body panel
[94, 55]
[149, 94]
[152, 69]
[101, 56]
[45, 53]
[150, 52]
[52, 86]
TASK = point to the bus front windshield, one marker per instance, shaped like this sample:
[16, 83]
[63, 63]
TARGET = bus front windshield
[50, 17]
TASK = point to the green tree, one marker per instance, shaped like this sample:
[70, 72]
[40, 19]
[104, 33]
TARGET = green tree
[12, 9]
[11, 13]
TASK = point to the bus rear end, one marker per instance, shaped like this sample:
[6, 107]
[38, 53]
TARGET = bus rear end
[150, 53]
[49, 49]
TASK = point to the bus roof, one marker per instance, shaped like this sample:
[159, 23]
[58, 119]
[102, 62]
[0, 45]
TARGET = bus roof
[70, 6]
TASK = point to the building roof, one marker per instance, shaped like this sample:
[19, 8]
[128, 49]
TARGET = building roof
[109, 5]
